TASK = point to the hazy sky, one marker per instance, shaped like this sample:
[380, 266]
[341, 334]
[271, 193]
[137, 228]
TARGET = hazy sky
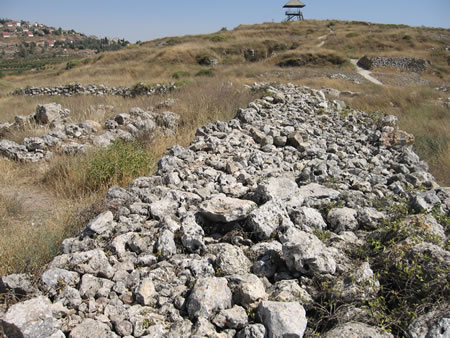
[150, 19]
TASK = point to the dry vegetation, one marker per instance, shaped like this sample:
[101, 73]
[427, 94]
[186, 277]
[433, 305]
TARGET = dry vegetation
[245, 55]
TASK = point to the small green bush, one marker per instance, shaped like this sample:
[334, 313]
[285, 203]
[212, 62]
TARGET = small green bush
[205, 72]
[218, 38]
[71, 64]
[179, 75]
[117, 164]
[352, 35]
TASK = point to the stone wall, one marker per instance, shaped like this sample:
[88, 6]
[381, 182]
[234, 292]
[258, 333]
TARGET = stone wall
[401, 63]
[139, 89]
[247, 232]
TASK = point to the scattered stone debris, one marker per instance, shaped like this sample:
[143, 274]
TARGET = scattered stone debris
[72, 138]
[234, 234]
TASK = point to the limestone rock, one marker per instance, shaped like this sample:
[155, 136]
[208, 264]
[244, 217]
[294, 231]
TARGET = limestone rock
[234, 318]
[355, 329]
[102, 223]
[226, 209]
[21, 284]
[91, 328]
[32, 318]
[305, 253]
[47, 113]
[283, 319]
[208, 296]
[342, 219]
[265, 220]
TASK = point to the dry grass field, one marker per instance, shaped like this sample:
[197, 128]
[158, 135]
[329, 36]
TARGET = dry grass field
[41, 204]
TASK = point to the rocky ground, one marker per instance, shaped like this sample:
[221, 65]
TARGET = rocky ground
[65, 136]
[298, 216]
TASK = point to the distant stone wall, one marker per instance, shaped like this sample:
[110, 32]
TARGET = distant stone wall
[402, 63]
[139, 89]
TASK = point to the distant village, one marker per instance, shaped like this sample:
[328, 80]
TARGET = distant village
[20, 39]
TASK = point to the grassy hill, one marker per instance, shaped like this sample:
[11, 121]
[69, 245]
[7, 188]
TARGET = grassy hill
[313, 53]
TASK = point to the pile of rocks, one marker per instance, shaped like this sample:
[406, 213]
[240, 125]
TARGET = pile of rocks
[140, 89]
[71, 138]
[401, 63]
[223, 241]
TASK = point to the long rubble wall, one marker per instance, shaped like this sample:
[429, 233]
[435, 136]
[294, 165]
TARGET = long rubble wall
[225, 239]
[401, 63]
[72, 89]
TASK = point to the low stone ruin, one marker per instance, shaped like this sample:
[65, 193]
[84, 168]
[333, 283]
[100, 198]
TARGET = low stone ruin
[401, 63]
[76, 137]
[225, 239]
[140, 89]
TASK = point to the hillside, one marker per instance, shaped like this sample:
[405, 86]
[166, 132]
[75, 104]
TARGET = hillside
[376, 215]
[28, 45]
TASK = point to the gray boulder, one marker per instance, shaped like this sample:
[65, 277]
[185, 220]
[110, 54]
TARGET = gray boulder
[55, 279]
[230, 259]
[102, 223]
[252, 331]
[145, 292]
[317, 191]
[283, 319]
[305, 253]
[208, 296]
[193, 234]
[94, 262]
[248, 290]
[435, 324]
[21, 284]
[342, 219]
[266, 220]
[357, 330]
[225, 209]
[47, 113]
[307, 218]
[92, 328]
[29, 319]
[234, 318]
[282, 188]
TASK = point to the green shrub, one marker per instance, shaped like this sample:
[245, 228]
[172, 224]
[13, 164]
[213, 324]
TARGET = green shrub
[352, 35]
[117, 164]
[218, 38]
[72, 63]
[179, 75]
[205, 72]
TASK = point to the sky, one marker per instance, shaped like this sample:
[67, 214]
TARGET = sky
[150, 19]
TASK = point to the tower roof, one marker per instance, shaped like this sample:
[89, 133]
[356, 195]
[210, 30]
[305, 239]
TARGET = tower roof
[294, 4]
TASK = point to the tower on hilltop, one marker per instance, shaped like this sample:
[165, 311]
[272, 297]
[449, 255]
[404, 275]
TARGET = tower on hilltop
[293, 10]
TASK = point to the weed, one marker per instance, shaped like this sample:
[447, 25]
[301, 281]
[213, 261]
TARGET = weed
[117, 164]
[218, 38]
[180, 74]
[205, 72]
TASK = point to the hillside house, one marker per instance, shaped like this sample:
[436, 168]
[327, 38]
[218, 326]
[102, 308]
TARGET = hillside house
[70, 39]
[29, 34]
[13, 24]
[1, 25]
[25, 29]
[50, 43]
[6, 34]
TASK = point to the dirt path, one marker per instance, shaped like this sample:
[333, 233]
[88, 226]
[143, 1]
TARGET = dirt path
[323, 38]
[365, 73]
[35, 205]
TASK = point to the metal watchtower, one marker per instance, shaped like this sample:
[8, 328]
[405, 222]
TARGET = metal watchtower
[294, 13]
